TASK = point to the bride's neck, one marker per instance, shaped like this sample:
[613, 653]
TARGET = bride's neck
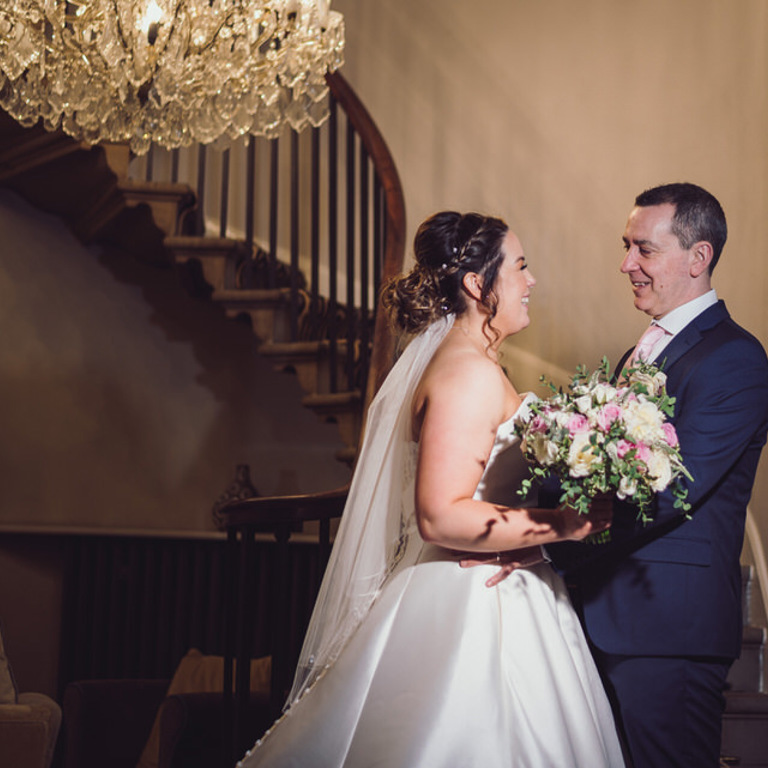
[474, 333]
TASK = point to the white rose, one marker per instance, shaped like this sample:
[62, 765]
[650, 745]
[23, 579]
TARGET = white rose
[627, 487]
[544, 450]
[638, 377]
[604, 393]
[653, 383]
[643, 422]
[659, 470]
[583, 404]
[582, 459]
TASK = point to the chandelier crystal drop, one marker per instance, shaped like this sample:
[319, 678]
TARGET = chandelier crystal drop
[171, 72]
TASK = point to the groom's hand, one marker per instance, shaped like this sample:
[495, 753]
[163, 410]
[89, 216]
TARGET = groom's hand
[570, 525]
[507, 561]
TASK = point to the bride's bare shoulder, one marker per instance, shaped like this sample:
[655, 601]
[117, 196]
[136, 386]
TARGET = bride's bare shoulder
[460, 370]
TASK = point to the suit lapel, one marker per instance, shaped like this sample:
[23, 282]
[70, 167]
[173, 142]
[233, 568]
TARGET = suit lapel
[692, 334]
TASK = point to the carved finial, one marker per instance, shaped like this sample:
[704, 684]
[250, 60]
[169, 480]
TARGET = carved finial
[240, 488]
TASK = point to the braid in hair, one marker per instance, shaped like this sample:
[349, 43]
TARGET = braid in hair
[447, 246]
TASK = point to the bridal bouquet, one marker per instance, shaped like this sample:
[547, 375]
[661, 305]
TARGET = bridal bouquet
[604, 438]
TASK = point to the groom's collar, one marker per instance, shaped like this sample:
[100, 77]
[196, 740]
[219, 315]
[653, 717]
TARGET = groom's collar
[674, 322]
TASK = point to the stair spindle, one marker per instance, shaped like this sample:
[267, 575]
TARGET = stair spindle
[224, 209]
[333, 242]
[350, 218]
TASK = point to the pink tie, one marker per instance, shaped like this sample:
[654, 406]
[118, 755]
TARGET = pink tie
[644, 346]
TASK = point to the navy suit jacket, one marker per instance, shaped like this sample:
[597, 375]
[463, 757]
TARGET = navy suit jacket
[673, 587]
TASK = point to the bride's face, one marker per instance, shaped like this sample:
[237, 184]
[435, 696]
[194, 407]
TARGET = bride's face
[513, 288]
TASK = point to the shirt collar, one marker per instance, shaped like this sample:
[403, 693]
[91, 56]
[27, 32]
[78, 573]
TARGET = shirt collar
[674, 322]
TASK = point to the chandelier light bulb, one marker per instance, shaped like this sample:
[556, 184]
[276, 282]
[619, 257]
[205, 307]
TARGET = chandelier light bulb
[150, 24]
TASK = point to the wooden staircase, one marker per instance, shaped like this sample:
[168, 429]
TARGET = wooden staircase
[302, 325]
[745, 723]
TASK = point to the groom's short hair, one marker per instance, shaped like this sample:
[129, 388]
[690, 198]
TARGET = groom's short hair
[698, 215]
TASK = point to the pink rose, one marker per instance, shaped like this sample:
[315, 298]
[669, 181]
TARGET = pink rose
[607, 415]
[670, 434]
[643, 453]
[538, 424]
[578, 424]
[623, 447]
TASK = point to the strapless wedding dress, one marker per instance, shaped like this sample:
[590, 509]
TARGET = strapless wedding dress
[445, 672]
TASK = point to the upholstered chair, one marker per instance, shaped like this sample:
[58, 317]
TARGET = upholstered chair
[29, 723]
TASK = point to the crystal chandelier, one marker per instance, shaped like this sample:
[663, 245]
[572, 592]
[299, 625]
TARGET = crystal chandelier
[171, 72]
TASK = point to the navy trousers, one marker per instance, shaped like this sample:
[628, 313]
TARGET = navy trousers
[669, 709]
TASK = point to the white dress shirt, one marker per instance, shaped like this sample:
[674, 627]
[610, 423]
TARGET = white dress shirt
[674, 322]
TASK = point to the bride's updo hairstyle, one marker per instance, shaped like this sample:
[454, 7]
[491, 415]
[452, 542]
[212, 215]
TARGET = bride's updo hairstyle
[447, 246]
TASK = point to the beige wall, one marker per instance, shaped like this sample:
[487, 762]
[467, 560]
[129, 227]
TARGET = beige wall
[125, 403]
[555, 114]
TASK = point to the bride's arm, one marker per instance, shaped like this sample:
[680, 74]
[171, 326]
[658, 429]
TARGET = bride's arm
[460, 411]
[600, 517]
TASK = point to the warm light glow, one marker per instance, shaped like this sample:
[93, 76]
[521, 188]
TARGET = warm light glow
[153, 15]
[172, 72]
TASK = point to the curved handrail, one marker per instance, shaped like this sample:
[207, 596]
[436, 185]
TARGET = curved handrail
[274, 510]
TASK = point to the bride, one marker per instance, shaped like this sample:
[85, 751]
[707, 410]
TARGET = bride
[409, 661]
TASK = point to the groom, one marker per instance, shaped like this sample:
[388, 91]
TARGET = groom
[662, 603]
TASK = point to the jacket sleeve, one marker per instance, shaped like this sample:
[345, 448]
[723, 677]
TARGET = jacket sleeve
[721, 411]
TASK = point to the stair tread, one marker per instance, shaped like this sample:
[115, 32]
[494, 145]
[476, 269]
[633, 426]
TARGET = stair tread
[298, 348]
[242, 295]
[753, 634]
[134, 186]
[21, 153]
[331, 399]
[202, 243]
[743, 702]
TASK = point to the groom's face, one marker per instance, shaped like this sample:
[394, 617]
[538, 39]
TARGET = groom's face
[658, 267]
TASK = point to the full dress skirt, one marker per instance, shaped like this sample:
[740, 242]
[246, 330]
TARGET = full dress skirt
[445, 672]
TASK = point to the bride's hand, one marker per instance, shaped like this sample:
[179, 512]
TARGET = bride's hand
[507, 561]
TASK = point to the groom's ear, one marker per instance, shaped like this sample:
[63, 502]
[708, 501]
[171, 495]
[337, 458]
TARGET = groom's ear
[701, 258]
[473, 285]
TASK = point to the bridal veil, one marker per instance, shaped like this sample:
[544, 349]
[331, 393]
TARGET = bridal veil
[372, 530]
